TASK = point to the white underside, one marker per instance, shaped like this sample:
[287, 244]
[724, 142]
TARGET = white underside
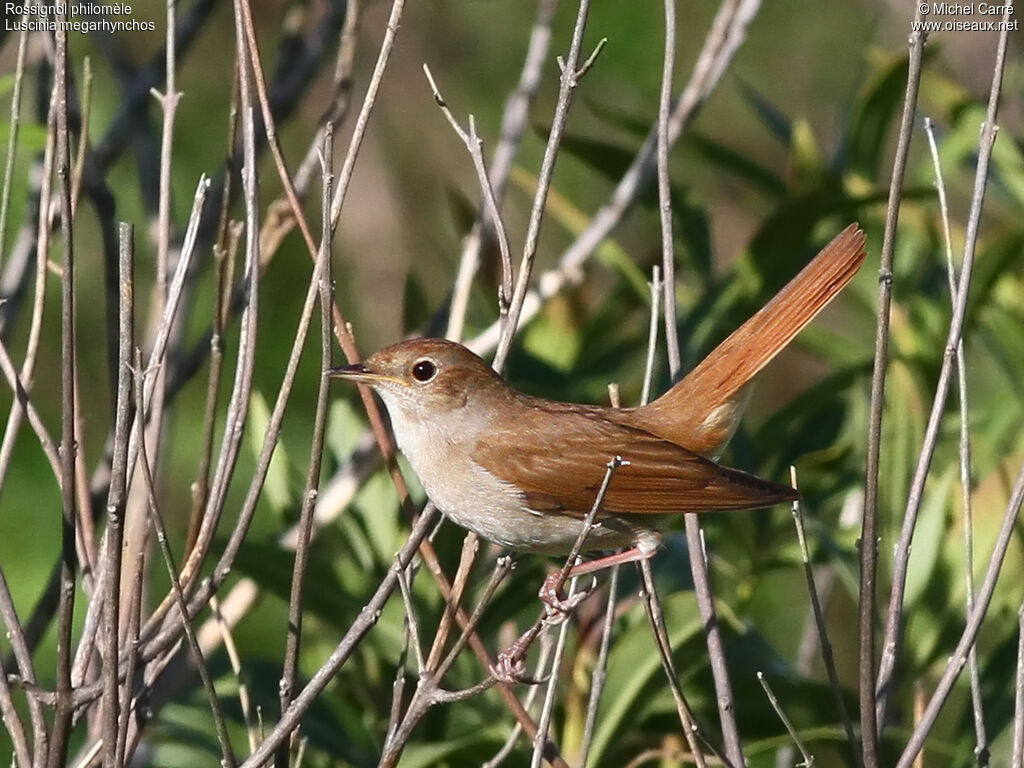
[492, 508]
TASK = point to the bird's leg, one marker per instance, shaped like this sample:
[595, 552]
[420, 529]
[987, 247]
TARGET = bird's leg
[558, 608]
[510, 665]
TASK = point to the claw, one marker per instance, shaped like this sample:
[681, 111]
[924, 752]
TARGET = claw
[510, 666]
[556, 607]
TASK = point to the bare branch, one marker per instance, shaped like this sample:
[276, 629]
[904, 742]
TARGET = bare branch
[117, 497]
[869, 524]
[69, 514]
[958, 659]
[305, 526]
[474, 144]
[12, 136]
[510, 136]
[157, 522]
[652, 605]
[567, 87]
[901, 561]
[964, 450]
[548, 707]
[1018, 694]
[819, 622]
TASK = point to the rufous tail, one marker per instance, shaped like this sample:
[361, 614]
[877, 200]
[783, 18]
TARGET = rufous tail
[702, 410]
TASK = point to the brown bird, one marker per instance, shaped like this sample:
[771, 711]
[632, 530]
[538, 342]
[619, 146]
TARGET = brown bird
[523, 472]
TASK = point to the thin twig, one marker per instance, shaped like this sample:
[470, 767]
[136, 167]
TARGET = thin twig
[259, 80]
[12, 136]
[1018, 695]
[698, 565]
[502, 568]
[542, 664]
[819, 622]
[599, 676]
[652, 336]
[981, 750]
[958, 659]
[21, 396]
[656, 618]
[117, 496]
[600, 673]
[154, 403]
[668, 260]
[15, 634]
[157, 522]
[13, 726]
[410, 618]
[398, 686]
[82, 150]
[510, 136]
[309, 495]
[901, 560]
[727, 33]
[362, 624]
[359, 131]
[567, 87]
[252, 728]
[531, 634]
[474, 144]
[470, 547]
[548, 706]
[68, 563]
[808, 759]
[132, 635]
[428, 691]
[869, 523]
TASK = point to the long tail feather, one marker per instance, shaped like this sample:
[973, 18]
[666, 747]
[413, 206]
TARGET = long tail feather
[704, 406]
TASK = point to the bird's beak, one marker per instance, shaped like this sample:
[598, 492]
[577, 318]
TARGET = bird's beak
[360, 374]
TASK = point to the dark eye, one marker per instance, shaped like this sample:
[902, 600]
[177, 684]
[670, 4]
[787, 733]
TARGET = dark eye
[424, 370]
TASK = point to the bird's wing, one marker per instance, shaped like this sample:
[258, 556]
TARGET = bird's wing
[657, 476]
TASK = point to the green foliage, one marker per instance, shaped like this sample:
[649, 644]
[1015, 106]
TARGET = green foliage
[798, 185]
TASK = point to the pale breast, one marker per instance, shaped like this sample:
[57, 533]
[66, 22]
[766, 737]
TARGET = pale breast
[493, 508]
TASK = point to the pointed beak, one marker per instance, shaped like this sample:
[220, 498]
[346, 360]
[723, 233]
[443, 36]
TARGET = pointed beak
[360, 374]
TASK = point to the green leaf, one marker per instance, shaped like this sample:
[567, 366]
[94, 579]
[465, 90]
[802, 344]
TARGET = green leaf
[276, 489]
[344, 428]
[638, 125]
[929, 534]
[270, 566]
[875, 114]
[807, 161]
[731, 161]
[377, 504]
[774, 119]
[634, 662]
[565, 212]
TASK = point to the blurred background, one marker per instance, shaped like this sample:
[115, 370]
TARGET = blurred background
[795, 143]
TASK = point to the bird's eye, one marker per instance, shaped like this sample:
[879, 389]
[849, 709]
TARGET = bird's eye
[424, 371]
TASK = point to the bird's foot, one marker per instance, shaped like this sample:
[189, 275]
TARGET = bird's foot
[510, 666]
[556, 607]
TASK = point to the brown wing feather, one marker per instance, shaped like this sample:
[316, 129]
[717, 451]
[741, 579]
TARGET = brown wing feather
[660, 477]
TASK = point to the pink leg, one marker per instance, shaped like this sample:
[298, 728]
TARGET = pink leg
[550, 594]
[510, 667]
